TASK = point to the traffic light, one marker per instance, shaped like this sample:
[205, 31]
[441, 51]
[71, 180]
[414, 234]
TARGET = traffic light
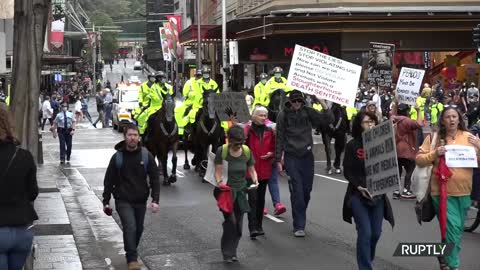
[478, 57]
[476, 36]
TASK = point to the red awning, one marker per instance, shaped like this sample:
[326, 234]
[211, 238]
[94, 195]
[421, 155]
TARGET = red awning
[190, 34]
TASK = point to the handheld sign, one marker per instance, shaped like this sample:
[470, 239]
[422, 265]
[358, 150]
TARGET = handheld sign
[210, 173]
[324, 76]
[380, 64]
[381, 159]
[461, 156]
[231, 103]
[408, 85]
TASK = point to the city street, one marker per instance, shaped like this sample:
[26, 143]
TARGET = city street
[186, 233]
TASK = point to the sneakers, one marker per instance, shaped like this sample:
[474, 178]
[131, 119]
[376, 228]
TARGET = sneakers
[265, 211]
[396, 195]
[279, 209]
[235, 259]
[134, 266]
[299, 233]
[338, 171]
[254, 234]
[329, 171]
[62, 161]
[408, 195]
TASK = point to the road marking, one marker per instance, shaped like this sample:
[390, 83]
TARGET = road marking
[273, 218]
[316, 161]
[331, 178]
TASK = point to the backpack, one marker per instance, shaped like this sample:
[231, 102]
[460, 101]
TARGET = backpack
[119, 159]
[245, 148]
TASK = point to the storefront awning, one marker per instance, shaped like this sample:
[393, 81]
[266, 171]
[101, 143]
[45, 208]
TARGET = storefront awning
[56, 59]
[190, 34]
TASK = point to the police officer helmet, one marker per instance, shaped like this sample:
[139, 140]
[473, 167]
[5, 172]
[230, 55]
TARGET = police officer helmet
[206, 69]
[263, 76]
[160, 74]
[198, 72]
[277, 70]
[152, 74]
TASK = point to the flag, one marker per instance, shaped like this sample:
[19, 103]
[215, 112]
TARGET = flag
[57, 33]
[175, 22]
[443, 173]
[165, 47]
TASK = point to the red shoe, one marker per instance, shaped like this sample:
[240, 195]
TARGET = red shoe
[265, 211]
[279, 209]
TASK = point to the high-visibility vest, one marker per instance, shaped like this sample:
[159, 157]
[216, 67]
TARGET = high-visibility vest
[273, 85]
[262, 97]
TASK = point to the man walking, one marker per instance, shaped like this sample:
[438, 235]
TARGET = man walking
[126, 179]
[294, 140]
[100, 99]
[64, 127]
[108, 100]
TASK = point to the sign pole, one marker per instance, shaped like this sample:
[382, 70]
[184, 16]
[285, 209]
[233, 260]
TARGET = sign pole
[199, 38]
[224, 46]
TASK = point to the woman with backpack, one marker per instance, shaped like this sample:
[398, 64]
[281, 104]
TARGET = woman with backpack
[240, 160]
[18, 191]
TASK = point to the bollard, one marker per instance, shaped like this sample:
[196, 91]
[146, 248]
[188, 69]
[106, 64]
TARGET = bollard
[40, 149]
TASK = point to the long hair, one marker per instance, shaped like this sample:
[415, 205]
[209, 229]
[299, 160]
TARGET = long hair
[442, 129]
[357, 129]
[6, 126]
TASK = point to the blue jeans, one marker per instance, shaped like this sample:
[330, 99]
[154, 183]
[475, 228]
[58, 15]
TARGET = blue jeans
[368, 220]
[65, 143]
[132, 217]
[273, 187]
[15, 246]
[300, 170]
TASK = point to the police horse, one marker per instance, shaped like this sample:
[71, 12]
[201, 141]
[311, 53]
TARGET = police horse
[207, 131]
[164, 137]
[277, 103]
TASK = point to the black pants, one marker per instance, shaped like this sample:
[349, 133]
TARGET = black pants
[232, 232]
[256, 200]
[65, 143]
[50, 120]
[340, 140]
[132, 217]
[409, 166]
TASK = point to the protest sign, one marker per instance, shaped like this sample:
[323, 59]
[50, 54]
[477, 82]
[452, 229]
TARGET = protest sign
[381, 159]
[380, 63]
[228, 103]
[210, 173]
[408, 85]
[461, 156]
[324, 76]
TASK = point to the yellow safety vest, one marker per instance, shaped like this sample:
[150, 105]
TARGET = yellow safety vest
[435, 110]
[273, 85]
[421, 104]
[261, 94]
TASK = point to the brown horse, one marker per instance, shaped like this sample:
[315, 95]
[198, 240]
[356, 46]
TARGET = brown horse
[164, 136]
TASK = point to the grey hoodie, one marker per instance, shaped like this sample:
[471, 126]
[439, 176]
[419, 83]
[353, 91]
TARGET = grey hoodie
[294, 130]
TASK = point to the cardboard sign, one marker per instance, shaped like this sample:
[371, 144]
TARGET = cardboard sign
[380, 64]
[228, 103]
[324, 76]
[408, 85]
[381, 165]
[461, 156]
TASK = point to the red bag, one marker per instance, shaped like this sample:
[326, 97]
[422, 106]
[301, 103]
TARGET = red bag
[224, 199]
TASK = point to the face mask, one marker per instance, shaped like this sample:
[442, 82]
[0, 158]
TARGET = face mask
[163, 80]
[64, 109]
[206, 76]
[264, 81]
[152, 79]
[278, 75]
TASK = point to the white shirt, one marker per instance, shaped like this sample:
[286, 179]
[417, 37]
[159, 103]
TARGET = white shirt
[377, 99]
[47, 111]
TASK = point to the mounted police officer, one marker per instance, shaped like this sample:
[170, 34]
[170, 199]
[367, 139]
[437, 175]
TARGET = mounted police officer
[189, 91]
[262, 97]
[278, 82]
[64, 126]
[153, 99]
[205, 83]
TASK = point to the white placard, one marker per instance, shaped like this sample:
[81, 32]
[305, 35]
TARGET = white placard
[408, 85]
[233, 50]
[210, 173]
[324, 76]
[381, 166]
[461, 156]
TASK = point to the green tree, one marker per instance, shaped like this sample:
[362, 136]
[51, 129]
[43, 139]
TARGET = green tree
[109, 42]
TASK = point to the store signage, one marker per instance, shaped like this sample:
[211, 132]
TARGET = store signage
[288, 51]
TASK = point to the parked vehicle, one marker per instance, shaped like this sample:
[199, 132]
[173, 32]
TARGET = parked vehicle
[125, 100]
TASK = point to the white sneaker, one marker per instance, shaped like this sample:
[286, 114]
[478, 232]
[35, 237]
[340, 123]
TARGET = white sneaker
[299, 233]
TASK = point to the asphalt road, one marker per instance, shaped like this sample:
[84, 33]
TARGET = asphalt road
[186, 233]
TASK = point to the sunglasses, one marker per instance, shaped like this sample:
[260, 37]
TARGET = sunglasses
[237, 144]
[297, 101]
[450, 106]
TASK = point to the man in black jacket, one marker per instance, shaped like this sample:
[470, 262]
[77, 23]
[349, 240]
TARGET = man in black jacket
[294, 140]
[126, 179]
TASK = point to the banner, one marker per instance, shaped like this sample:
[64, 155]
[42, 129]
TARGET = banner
[324, 76]
[380, 64]
[408, 85]
[228, 103]
[176, 28]
[57, 32]
[460, 156]
[381, 165]
[167, 56]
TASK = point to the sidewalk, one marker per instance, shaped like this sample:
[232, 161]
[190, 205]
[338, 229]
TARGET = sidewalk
[72, 232]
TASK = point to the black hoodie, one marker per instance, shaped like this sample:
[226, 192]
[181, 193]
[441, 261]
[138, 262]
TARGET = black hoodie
[129, 183]
[294, 130]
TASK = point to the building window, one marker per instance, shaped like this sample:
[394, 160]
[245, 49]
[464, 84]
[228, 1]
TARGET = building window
[177, 6]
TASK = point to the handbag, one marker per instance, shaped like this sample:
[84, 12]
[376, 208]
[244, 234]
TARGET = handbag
[421, 180]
